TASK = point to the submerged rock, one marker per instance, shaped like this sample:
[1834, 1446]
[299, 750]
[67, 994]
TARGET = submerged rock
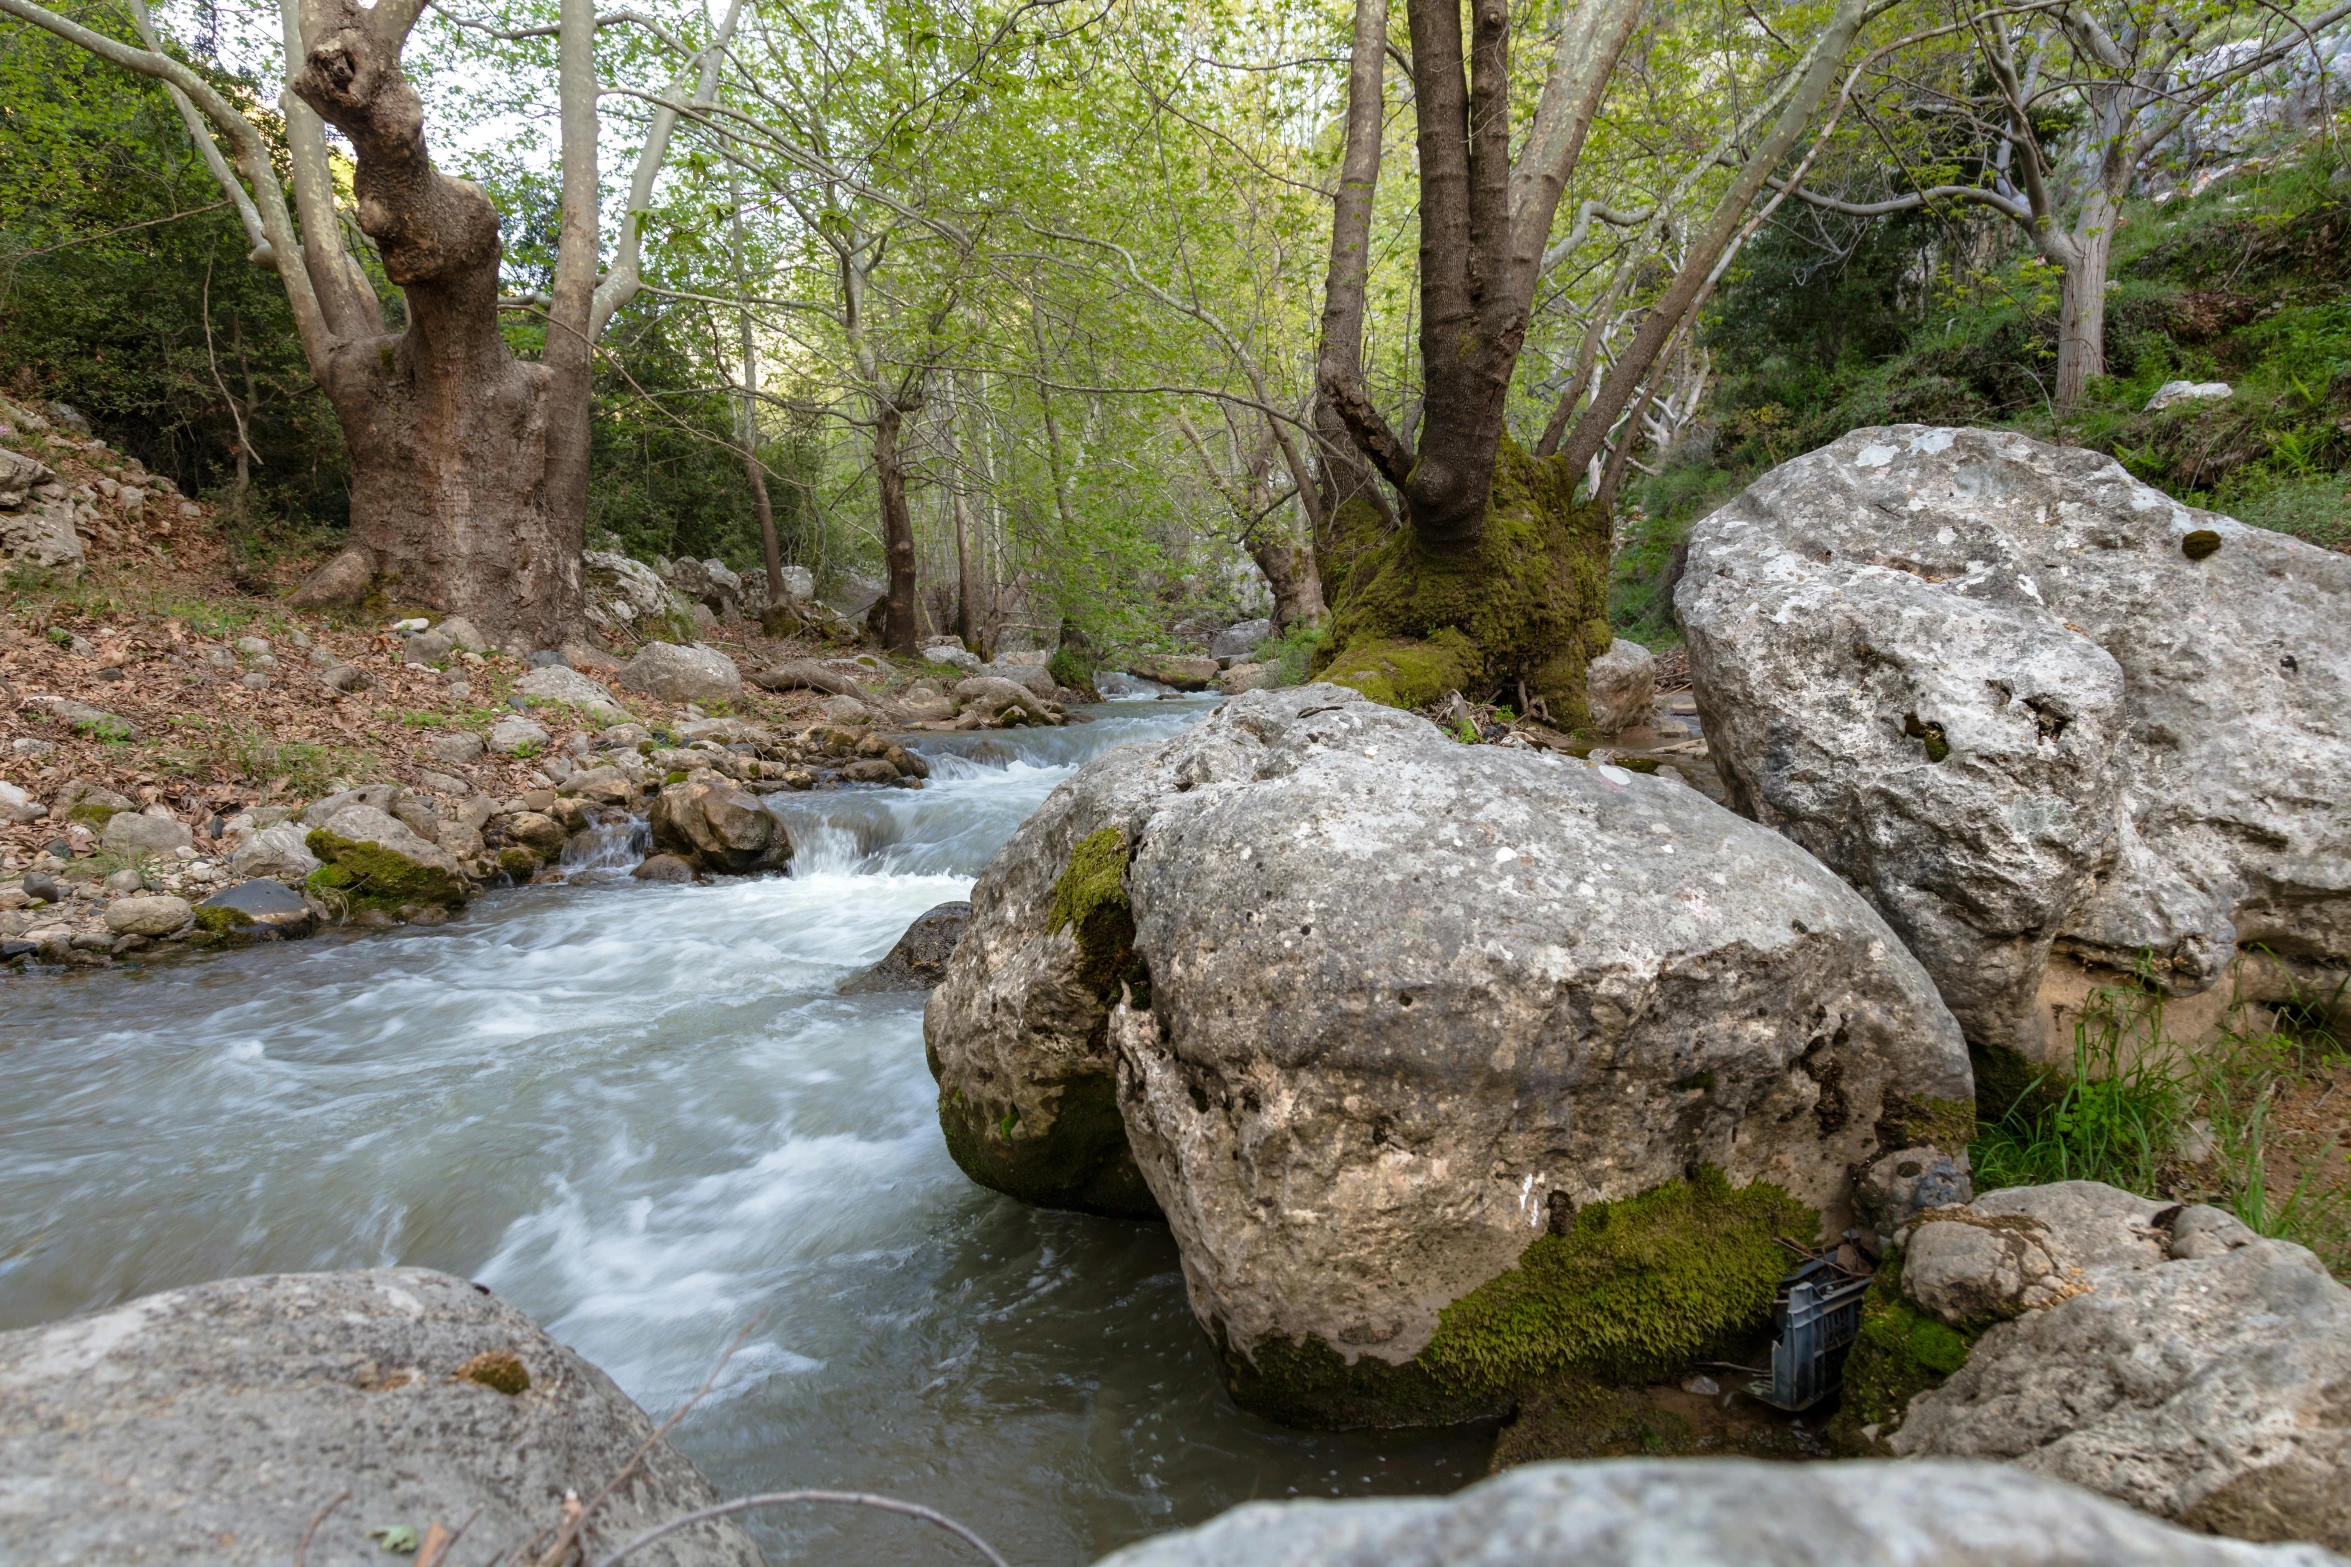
[1383, 1011]
[218, 1423]
[919, 960]
[2162, 1355]
[2004, 689]
[1714, 1512]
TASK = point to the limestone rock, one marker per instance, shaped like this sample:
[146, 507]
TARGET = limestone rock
[341, 583]
[377, 796]
[717, 827]
[1398, 1004]
[212, 1424]
[2165, 1356]
[682, 674]
[464, 635]
[622, 591]
[2171, 392]
[1032, 678]
[1239, 641]
[1990, 683]
[19, 477]
[42, 535]
[1713, 1512]
[427, 647]
[1183, 671]
[1247, 677]
[1620, 686]
[267, 905]
[347, 678]
[517, 736]
[953, 657]
[919, 960]
[1001, 701]
[82, 718]
[136, 834]
[281, 852]
[456, 748]
[373, 861]
[156, 916]
[664, 867]
[556, 683]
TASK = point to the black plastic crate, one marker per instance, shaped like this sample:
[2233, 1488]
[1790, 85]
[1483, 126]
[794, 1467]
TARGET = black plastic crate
[1814, 1317]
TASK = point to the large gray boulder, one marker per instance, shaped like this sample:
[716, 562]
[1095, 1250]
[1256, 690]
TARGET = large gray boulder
[1395, 1007]
[2163, 1355]
[216, 1423]
[370, 861]
[558, 683]
[2031, 706]
[682, 674]
[1714, 1512]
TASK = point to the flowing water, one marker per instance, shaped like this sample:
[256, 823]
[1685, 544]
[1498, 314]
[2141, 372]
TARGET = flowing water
[642, 1114]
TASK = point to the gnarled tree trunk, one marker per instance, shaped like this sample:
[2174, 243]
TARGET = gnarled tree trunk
[469, 467]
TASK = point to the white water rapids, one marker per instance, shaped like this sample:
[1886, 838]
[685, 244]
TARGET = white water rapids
[641, 1113]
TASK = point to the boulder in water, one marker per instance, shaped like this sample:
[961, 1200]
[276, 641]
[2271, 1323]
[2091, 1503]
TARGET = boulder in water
[664, 867]
[919, 960]
[1714, 1512]
[2059, 728]
[218, 1423]
[1386, 1024]
[717, 827]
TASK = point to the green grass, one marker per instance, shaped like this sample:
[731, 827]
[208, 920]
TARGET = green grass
[2133, 1098]
[1291, 653]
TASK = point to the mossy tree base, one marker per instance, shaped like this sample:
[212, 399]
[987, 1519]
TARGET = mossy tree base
[1634, 1290]
[1528, 605]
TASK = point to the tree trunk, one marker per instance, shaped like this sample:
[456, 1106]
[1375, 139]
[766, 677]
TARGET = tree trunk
[464, 498]
[901, 632]
[2081, 326]
[965, 589]
[1289, 570]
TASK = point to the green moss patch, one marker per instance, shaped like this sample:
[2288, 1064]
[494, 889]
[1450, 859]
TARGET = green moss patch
[1530, 602]
[1090, 901]
[1635, 1289]
[1076, 1157]
[365, 876]
[1898, 1353]
[1408, 674]
[92, 815]
[220, 921]
[1904, 1122]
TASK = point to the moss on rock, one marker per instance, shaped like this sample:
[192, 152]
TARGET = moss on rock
[1090, 901]
[1075, 1157]
[362, 876]
[1634, 1289]
[1898, 1353]
[1531, 601]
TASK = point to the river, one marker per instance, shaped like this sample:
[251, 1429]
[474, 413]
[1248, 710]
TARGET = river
[641, 1113]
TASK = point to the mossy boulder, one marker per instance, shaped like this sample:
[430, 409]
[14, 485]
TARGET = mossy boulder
[1370, 1012]
[372, 862]
[1528, 605]
[1016, 1030]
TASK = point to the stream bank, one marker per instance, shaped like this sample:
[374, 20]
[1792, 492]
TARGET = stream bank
[644, 1114]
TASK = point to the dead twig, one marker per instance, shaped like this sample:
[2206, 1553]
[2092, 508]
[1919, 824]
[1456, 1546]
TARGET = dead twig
[303, 1550]
[576, 1514]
